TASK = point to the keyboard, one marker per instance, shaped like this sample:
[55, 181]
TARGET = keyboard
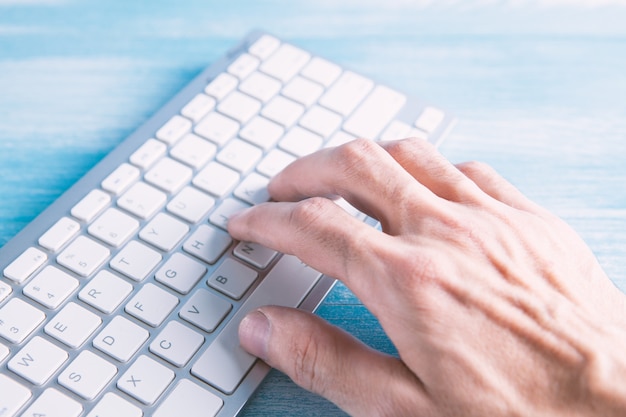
[124, 296]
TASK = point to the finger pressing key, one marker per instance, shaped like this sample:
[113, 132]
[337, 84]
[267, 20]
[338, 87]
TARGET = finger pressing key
[361, 172]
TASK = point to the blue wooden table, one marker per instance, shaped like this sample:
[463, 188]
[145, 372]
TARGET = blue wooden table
[539, 90]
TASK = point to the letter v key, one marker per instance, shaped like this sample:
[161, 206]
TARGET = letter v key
[212, 310]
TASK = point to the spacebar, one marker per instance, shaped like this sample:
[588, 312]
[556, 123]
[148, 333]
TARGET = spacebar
[225, 363]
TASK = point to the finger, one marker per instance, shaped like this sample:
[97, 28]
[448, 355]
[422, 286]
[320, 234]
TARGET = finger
[424, 163]
[327, 361]
[359, 171]
[318, 232]
[494, 185]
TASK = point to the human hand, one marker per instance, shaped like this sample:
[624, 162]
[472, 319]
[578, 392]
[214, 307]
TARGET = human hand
[495, 306]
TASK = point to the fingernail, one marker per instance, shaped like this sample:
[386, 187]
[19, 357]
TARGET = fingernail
[254, 334]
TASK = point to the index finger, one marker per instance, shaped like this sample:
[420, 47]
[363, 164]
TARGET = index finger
[320, 234]
[363, 173]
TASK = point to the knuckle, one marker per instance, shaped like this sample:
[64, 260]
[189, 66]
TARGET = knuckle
[309, 211]
[397, 147]
[416, 274]
[359, 146]
[474, 168]
[410, 145]
[305, 364]
[360, 163]
[353, 154]
[321, 220]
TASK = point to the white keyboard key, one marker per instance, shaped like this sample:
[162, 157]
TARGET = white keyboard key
[5, 291]
[145, 380]
[262, 132]
[14, 396]
[339, 138]
[148, 153]
[105, 291]
[264, 46]
[176, 343]
[244, 65]
[232, 278]
[91, 205]
[254, 254]
[346, 93]
[164, 232]
[239, 155]
[227, 208]
[225, 363]
[25, 265]
[142, 200]
[180, 273]
[285, 62]
[53, 403]
[274, 162]
[222, 85]
[169, 175]
[18, 319]
[59, 234]
[73, 325]
[207, 243]
[429, 120]
[300, 142]
[321, 71]
[189, 400]
[375, 113]
[83, 256]
[260, 86]
[112, 405]
[151, 305]
[121, 339]
[193, 150]
[51, 287]
[120, 179]
[217, 128]
[239, 106]
[87, 375]
[253, 189]
[216, 179]
[283, 111]
[303, 91]
[136, 260]
[198, 107]
[38, 360]
[4, 352]
[191, 204]
[113, 227]
[205, 310]
[174, 129]
[321, 121]
[396, 130]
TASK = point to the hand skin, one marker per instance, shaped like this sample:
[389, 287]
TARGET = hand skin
[496, 307]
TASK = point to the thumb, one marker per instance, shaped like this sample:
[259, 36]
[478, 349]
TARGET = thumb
[328, 361]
